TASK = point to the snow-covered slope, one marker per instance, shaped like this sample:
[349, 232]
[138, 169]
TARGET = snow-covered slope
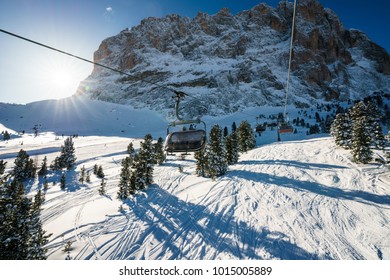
[300, 199]
[81, 115]
[293, 200]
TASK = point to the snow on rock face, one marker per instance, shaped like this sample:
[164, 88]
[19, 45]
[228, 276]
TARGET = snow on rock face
[234, 61]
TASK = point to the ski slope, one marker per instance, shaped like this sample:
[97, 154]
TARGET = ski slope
[296, 199]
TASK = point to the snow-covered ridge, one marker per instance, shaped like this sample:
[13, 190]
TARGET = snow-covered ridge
[229, 62]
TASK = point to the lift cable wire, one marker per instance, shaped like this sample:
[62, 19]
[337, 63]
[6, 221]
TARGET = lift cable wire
[87, 60]
[290, 58]
[178, 93]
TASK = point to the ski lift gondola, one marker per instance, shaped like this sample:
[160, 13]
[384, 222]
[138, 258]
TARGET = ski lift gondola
[284, 126]
[190, 140]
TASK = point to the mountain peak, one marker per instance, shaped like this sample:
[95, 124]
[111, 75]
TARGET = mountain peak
[235, 61]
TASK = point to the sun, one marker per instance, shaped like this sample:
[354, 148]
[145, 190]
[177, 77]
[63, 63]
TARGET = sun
[61, 77]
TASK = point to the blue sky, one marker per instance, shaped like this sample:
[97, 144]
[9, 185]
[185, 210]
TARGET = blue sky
[30, 73]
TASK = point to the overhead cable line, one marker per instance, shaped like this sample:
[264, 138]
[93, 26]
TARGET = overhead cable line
[177, 92]
[290, 57]
[87, 60]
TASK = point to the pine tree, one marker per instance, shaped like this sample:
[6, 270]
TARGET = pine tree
[201, 163]
[234, 127]
[159, 153]
[246, 137]
[14, 227]
[142, 175]
[146, 160]
[63, 181]
[102, 189]
[225, 132]
[341, 130]
[130, 149]
[216, 153]
[100, 172]
[21, 234]
[361, 140]
[232, 153]
[358, 111]
[6, 135]
[82, 175]
[378, 136]
[24, 167]
[88, 177]
[43, 170]
[95, 169]
[2, 166]
[67, 156]
[374, 117]
[45, 184]
[124, 181]
[38, 236]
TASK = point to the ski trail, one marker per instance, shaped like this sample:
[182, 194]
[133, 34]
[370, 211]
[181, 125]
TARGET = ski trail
[303, 200]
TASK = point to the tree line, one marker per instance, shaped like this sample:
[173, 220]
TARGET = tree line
[223, 149]
[359, 130]
[21, 232]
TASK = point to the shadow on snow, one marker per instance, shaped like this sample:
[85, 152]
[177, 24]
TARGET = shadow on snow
[189, 231]
[314, 187]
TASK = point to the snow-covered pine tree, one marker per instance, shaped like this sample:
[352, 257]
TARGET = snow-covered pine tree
[67, 157]
[95, 169]
[225, 132]
[159, 153]
[232, 153]
[63, 181]
[378, 136]
[2, 166]
[21, 233]
[6, 135]
[374, 117]
[38, 238]
[142, 176]
[361, 141]
[103, 185]
[341, 130]
[137, 176]
[14, 221]
[201, 163]
[88, 177]
[130, 149]
[358, 110]
[124, 181]
[82, 175]
[68, 153]
[216, 153]
[100, 172]
[24, 167]
[246, 137]
[234, 127]
[43, 170]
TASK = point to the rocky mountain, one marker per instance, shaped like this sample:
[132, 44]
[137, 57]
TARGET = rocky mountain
[228, 62]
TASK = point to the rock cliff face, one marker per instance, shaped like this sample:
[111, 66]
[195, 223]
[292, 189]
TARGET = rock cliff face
[227, 62]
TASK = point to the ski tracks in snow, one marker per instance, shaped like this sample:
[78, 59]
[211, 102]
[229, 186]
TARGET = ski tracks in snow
[301, 200]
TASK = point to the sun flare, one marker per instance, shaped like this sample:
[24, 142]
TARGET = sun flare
[61, 77]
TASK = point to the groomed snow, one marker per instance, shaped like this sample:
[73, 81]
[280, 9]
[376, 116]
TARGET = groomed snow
[296, 199]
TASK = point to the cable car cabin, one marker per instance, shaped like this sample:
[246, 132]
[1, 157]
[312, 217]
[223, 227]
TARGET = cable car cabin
[285, 128]
[185, 141]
